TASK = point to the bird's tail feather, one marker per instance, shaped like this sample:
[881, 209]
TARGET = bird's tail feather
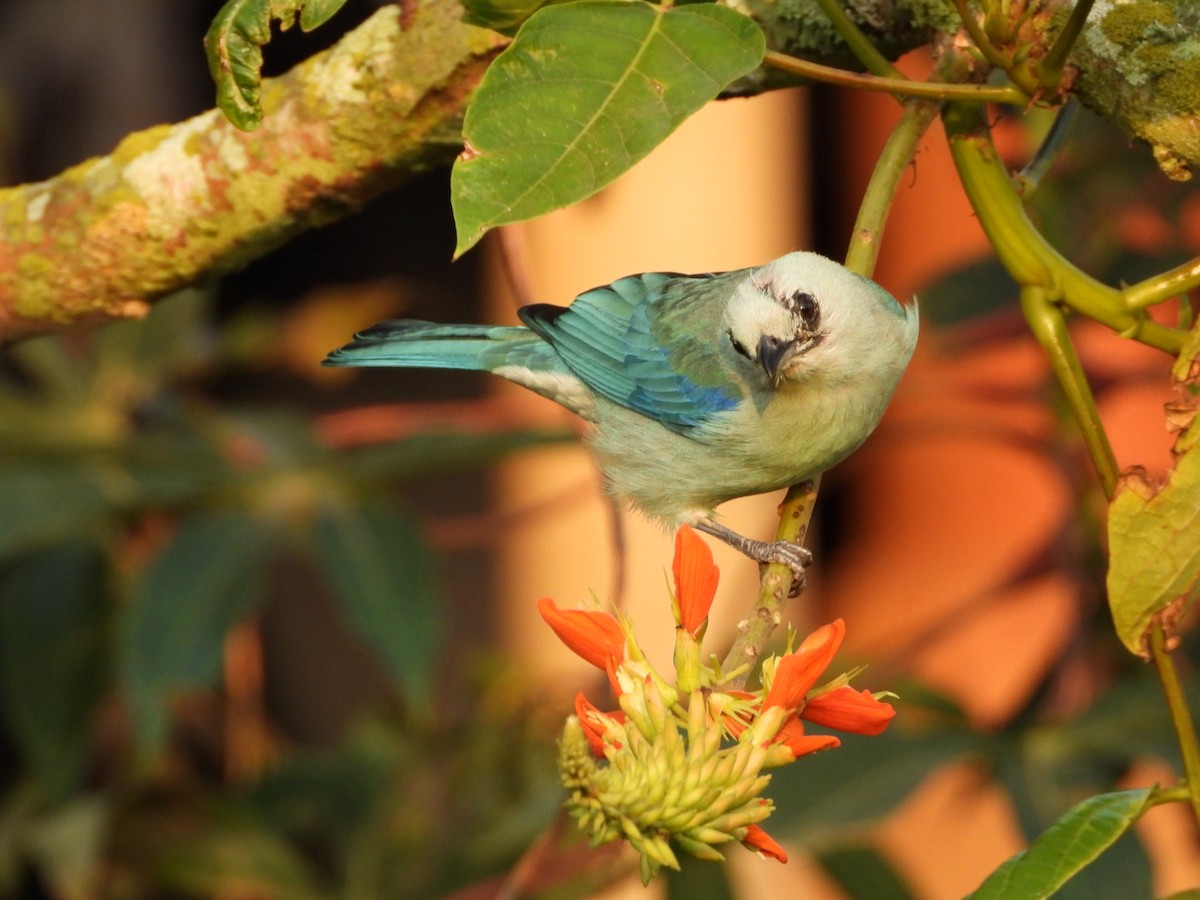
[414, 344]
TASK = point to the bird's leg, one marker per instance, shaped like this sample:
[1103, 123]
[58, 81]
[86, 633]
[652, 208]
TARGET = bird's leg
[791, 555]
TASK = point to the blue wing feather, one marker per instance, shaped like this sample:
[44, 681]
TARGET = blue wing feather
[608, 338]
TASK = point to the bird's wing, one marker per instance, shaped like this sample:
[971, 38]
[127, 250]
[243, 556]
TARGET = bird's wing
[646, 342]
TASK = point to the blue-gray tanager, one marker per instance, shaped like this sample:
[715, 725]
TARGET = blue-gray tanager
[700, 388]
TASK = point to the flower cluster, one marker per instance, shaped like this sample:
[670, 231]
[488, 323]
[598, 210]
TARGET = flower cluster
[684, 762]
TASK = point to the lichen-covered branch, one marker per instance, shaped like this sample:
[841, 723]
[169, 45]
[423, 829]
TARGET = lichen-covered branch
[1139, 66]
[1136, 64]
[177, 204]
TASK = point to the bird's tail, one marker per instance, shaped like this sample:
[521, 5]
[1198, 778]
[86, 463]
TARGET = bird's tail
[414, 344]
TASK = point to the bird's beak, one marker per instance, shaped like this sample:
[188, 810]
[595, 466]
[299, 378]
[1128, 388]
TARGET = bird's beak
[774, 355]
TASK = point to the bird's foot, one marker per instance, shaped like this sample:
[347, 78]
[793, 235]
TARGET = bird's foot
[795, 557]
[785, 553]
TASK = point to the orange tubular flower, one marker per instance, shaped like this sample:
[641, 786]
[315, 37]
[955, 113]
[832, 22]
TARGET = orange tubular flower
[763, 844]
[846, 709]
[792, 736]
[593, 722]
[695, 580]
[797, 672]
[594, 636]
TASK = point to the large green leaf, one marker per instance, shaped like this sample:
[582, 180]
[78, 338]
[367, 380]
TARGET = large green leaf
[172, 633]
[585, 91]
[1154, 547]
[1066, 847]
[379, 571]
[234, 45]
[52, 614]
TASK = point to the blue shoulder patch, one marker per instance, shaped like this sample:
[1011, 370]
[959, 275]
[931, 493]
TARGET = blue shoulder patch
[605, 338]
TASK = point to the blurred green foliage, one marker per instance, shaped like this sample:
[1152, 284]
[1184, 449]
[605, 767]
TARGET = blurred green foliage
[143, 520]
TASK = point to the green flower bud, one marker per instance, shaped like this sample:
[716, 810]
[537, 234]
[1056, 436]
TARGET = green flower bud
[664, 782]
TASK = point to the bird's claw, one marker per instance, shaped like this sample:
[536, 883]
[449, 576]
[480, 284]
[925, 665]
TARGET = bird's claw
[783, 553]
[795, 557]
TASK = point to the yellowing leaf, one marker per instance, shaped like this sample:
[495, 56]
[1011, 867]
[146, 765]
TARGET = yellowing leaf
[1154, 547]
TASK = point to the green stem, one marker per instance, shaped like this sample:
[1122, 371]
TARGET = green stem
[1181, 716]
[897, 153]
[1050, 328]
[795, 515]
[1024, 252]
[900, 87]
[1050, 69]
[1163, 287]
[1030, 178]
[859, 43]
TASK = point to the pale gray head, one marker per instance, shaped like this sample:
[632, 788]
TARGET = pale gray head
[803, 315]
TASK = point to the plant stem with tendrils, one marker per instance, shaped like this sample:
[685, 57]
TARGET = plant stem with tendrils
[1050, 328]
[899, 87]
[1164, 286]
[1050, 69]
[1024, 252]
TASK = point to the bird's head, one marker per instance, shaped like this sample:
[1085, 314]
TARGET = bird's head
[803, 314]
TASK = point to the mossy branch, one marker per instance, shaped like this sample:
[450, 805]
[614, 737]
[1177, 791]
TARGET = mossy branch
[177, 204]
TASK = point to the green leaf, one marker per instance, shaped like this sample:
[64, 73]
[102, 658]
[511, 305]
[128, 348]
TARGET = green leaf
[47, 501]
[860, 870]
[585, 91]
[1154, 547]
[500, 15]
[171, 635]
[234, 46]
[379, 571]
[52, 615]
[237, 857]
[1045, 774]
[134, 358]
[1066, 847]
[316, 13]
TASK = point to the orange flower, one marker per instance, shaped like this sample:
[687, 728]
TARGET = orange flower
[792, 736]
[595, 636]
[846, 709]
[763, 844]
[594, 722]
[797, 672]
[695, 580]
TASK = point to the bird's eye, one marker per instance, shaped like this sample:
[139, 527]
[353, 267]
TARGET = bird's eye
[806, 306]
[739, 346]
